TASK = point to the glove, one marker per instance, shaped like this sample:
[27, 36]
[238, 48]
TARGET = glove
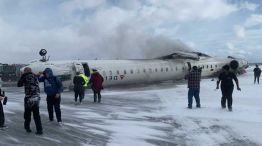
[5, 100]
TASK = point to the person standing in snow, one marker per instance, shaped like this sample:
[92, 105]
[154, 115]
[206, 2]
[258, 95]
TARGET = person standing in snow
[31, 100]
[226, 78]
[194, 78]
[2, 115]
[96, 82]
[257, 73]
[79, 88]
[53, 88]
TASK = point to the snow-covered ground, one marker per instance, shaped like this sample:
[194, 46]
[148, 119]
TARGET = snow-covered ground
[145, 116]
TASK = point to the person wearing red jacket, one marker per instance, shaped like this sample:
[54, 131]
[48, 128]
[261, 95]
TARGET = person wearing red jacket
[96, 82]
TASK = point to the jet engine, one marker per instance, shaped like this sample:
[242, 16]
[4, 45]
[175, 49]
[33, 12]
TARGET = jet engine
[234, 64]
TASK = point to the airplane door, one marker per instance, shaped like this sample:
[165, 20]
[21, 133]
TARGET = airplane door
[86, 69]
[188, 66]
[77, 67]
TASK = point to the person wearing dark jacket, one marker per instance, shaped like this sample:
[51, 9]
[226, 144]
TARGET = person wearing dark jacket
[194, 78]
[96, 82]
[79, 88]
[2, 116]
[257, 73]
[53, 88]
[226, 78]
[31, 100]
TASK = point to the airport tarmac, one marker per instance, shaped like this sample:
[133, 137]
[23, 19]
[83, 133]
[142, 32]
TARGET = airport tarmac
[152, 115]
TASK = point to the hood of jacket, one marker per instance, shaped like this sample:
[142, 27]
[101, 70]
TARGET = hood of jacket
[49, 72]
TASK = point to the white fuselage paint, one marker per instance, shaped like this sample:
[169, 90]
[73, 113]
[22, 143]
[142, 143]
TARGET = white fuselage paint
[120, 72]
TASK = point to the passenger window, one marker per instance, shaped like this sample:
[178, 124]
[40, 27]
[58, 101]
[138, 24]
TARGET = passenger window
[207, 66]
[131, 71]
[156, 70]
[144, 70]
[110, 73]
[176, 68]
[162, 69]
[211, 66]
[124, 71]
[167, 69]
[117, 72]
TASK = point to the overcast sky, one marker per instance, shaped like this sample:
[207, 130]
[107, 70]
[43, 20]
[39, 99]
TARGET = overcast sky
[104, 29]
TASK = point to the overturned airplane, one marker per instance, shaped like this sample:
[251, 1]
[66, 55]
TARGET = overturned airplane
[121, 72]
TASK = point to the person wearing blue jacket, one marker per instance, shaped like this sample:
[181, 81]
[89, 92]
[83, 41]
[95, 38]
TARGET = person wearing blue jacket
[53, 88]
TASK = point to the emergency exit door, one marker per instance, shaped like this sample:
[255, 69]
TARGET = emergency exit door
[86, 69]
[77, 67]
[189, 66]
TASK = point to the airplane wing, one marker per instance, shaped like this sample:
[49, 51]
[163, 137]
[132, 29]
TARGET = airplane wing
[184, 55]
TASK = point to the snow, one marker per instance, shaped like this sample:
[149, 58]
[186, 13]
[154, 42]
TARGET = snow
[245, 121]
[149, 115]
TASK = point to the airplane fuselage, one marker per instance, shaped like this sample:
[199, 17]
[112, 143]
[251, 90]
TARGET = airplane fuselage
[121, 72]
